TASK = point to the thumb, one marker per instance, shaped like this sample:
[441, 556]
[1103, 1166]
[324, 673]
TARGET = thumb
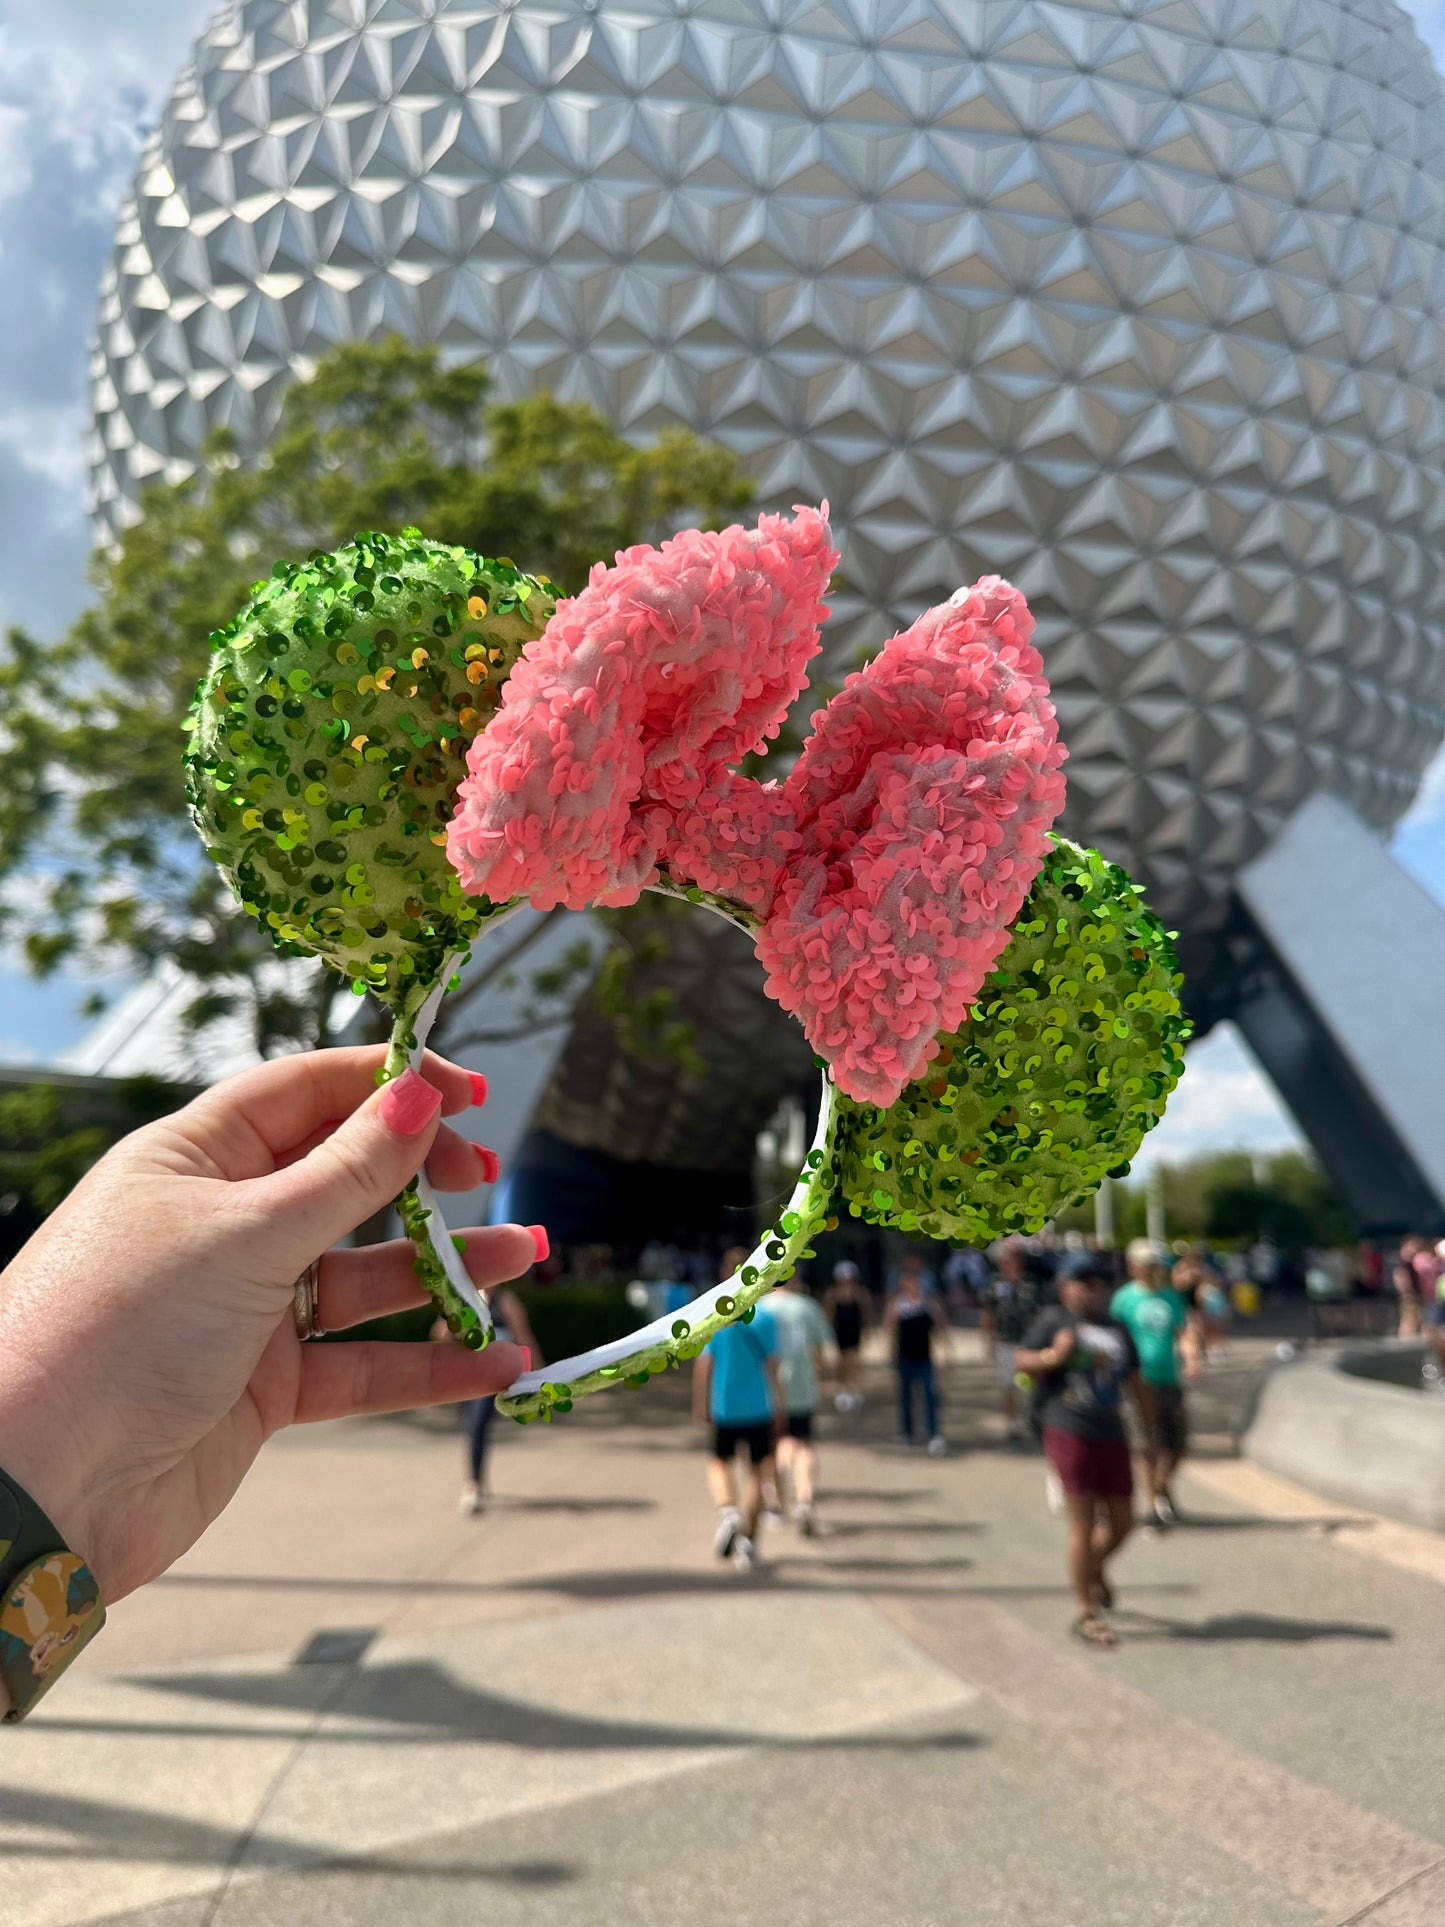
[358, 1169]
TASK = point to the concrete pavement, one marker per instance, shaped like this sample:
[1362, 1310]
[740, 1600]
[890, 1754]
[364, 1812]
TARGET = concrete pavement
[352, 1704]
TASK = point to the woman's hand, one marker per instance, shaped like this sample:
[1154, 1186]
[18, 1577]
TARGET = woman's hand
[147, 1342]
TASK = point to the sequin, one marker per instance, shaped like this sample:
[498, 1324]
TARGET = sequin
[314, 623]
[997, 1137]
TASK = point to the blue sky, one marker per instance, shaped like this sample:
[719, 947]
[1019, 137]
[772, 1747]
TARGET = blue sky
[80, 82]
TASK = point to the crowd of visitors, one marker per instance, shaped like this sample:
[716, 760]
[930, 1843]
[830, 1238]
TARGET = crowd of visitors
[1092, 1352]
[1077, 1339]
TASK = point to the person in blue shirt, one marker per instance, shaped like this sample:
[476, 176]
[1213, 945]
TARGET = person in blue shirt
[736, 1387]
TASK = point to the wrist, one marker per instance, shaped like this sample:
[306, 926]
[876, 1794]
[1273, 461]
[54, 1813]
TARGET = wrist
[50, 1602]
[35, 1460]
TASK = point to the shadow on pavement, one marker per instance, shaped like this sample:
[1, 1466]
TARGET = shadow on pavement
[113, 1830]
[422, 1702]
[892, 1495]
[558, 1504]
[831, 1529]
[1257, 1522]
[851, 1562]
[1247, 1626]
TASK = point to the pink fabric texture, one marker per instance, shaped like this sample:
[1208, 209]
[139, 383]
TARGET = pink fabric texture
[628, 709]
[886, 868]
[922, 801]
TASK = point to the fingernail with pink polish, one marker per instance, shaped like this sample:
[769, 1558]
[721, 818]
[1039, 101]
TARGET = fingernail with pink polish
[542, 1242]
[526, 1351]
[479, 1087]
[491, 1164]
[408, 1104]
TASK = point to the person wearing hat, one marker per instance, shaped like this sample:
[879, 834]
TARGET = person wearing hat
[849, 1311]
[1081, 1359]
[1165, 1331]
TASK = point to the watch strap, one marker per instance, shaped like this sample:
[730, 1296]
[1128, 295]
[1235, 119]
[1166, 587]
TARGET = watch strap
[50, 1604]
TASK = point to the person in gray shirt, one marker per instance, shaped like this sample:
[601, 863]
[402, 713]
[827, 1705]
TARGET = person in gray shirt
[802, 1331]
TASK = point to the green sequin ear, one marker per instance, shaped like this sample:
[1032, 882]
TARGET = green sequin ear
[330, 735]
[1067, 1062]
[327, 744]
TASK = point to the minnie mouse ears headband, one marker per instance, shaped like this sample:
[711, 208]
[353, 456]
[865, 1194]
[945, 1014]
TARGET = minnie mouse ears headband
[399, 744]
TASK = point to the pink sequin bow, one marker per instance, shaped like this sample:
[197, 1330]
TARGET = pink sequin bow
[886, 868]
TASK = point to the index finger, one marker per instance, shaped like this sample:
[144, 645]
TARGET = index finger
[250, 1124]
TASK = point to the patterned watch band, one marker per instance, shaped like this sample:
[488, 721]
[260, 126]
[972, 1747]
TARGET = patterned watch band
[50, 1605]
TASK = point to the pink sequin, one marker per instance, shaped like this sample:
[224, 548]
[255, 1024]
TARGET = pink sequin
[889, 865]
[922, 800]
[624, 715]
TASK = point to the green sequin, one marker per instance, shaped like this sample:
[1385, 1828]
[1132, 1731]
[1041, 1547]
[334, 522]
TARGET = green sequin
[327, 743]
[332, 730]
[1067, 1062]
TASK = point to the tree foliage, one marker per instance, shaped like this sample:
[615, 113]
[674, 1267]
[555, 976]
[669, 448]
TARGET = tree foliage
[97, 857]
[1230, 1199]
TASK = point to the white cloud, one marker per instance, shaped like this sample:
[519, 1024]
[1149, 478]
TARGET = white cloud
[14, 153]
[80, 82]
[48, 442]
[1224, 1102]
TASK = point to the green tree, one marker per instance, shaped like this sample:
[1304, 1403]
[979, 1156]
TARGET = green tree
[1291, 1201]
[1231, 1198]
[43, 1153]
[96, 854]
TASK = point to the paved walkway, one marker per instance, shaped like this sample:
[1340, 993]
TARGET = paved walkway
[352, 1705]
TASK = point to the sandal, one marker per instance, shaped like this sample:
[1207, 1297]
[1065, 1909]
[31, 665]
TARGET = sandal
[1092, 1630]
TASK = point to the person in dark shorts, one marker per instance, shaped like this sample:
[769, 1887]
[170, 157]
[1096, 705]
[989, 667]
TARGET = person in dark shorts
[1165, 1329]
[1081, 1359]
[735, 1384]
[911, 1320]
[802, 1333]
[849, 1310]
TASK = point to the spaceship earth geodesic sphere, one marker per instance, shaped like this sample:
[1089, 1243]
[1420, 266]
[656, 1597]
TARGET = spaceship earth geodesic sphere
[1135, 301]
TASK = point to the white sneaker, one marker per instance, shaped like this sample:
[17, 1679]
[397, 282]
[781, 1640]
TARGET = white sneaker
[937, 1446]
[729, 1530]
[843, 1402]
[472, 1499]
[745, 1555]
[773, 1521]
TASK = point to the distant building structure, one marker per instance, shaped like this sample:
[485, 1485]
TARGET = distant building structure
[1142, 305]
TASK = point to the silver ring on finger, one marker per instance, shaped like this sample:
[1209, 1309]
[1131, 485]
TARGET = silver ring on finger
[305, 1297]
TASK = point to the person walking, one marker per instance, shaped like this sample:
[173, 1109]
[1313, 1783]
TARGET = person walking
[850, 1310]
[1164, 1328]
[1006, 1313]
[735, 1384]
[802, 1332]
[509, 1321]
[1202, 1289]
[1407, 1290]
[911, 1320]
[1081, 1359]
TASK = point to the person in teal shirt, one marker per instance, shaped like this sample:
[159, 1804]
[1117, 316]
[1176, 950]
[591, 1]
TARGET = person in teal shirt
[736, 1386]
[1162, 1325]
